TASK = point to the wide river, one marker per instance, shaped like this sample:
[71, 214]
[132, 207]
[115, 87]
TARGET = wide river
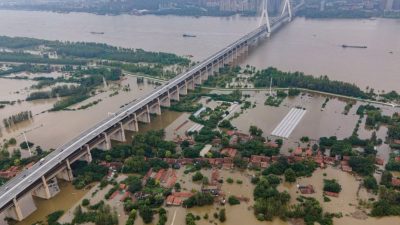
[311, 46]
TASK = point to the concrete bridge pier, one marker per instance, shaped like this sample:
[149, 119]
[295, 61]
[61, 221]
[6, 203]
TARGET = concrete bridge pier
[215, 67]
[132, 124]
[197, 78]
[155, 108]
[220, 63]
[47, 189]
[183, 90]
[66, 173]
[118, 134]
[19, 210]
[235, 60]
[209, 71]
[174, 95]
[144, 116]
[190, 84]
[166, 101]
[226, 59]
[203, 75]
[105, 143]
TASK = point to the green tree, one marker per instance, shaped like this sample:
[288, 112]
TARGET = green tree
[370, 183]
[332, 186]
[222, 216]
[255, 131]
[146, 213]
[198, 176]
[290, 175]
[232, 200]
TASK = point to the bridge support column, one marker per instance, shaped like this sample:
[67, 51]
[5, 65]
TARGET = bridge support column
[184, 89]
[119, 134]
[190, 84]
[175, 95]
[215, 67]
[144, 116]
[197, 79]
[220, 63]
[47, 190]
[166, 101]
[225, 60]
[106, 143]
[210, 71]
[203, 75]
[132, 124]
[156, 108]
[89, 158]
[235, 60]
[18, 211]
[66, 174]
[159, 106]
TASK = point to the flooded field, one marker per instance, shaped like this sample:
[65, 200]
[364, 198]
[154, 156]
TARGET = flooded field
[51, 129]
[346, 203]
[317, 121]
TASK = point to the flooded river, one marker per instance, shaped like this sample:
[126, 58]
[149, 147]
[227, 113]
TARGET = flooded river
[377, 66]
[285, 50]
[64, 200]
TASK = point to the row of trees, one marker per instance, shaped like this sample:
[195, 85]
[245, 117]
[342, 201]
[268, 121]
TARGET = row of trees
[20, 117]
[86, 50]
[297, 79]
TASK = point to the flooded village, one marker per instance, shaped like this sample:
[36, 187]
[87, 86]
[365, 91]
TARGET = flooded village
[248, 146]
[222, 168]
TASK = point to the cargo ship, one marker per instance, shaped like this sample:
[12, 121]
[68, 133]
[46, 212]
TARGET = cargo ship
[188, 35]
[353, 46]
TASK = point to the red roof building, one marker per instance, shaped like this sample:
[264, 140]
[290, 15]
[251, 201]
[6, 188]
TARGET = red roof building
[309, 152]
[331, 194]
[231, 152]
[298, 151]
[271, 144]
[309, 189]
[263, 165]
[346, 168]
[10, 172]
[395, 182]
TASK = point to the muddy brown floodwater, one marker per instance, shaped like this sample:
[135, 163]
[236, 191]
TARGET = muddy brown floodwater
[347, 201]
[316, 123]
[51, 129]
[64, 200]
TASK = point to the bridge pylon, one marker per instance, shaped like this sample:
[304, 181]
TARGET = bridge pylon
[287, 6]
[264, 15]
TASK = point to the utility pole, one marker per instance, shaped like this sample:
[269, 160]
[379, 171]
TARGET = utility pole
[27, 143]
[270, 87]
